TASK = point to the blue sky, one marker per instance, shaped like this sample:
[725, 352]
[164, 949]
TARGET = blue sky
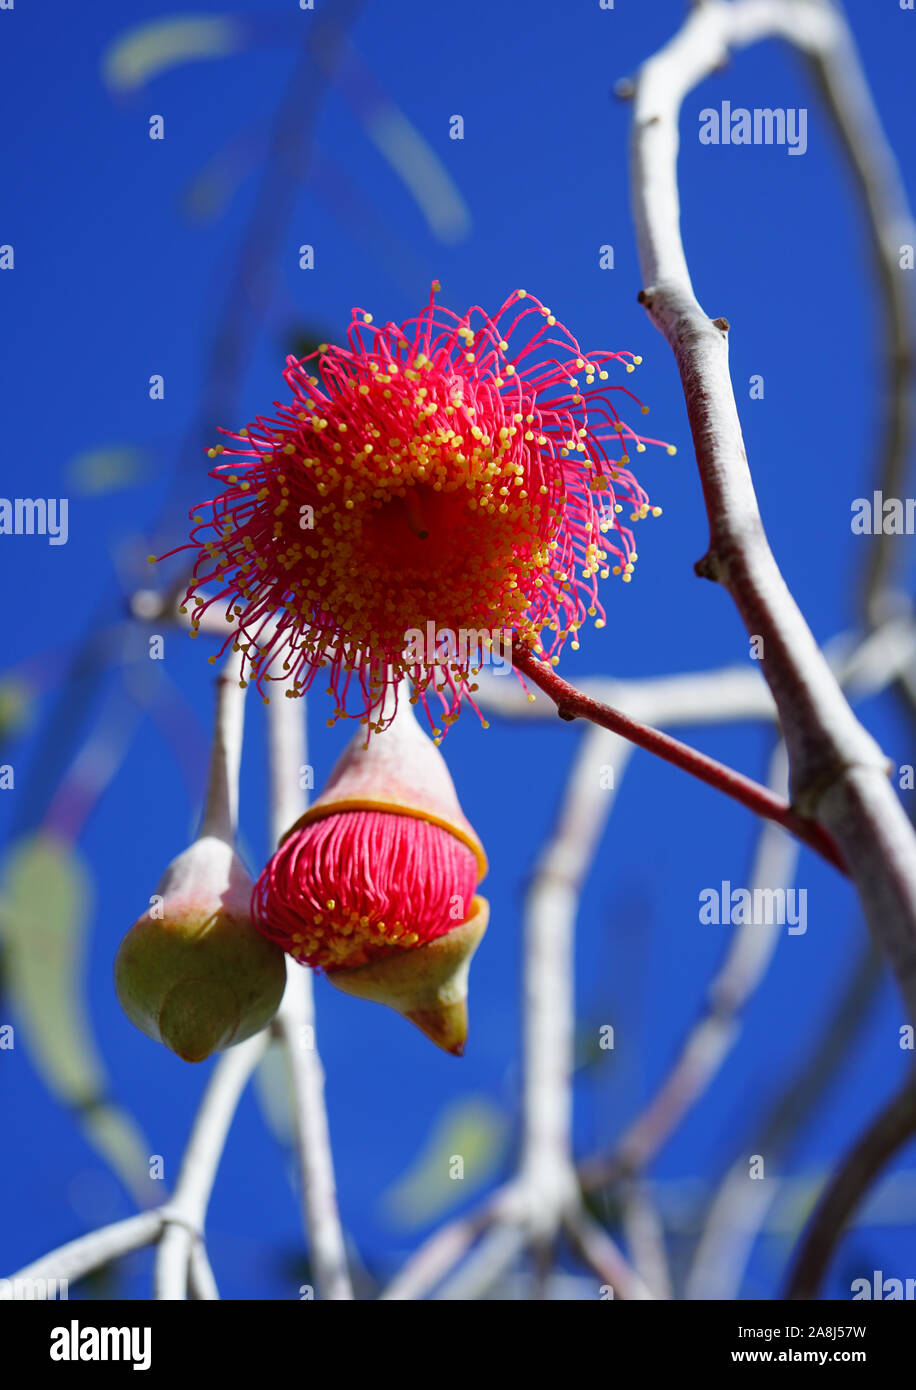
[115, 282]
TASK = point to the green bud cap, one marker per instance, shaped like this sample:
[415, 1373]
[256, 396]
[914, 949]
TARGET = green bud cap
[193, 972]
[426, 984]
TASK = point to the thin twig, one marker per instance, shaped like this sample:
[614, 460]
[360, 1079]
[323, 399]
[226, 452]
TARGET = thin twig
[549, 1003]
[645, 1237]
[81, 1256]
[573, 704]
[544, 1197]
[738, 1209]
[295, 1025]
[184, 1215]
[599, 1252]
[887, 1133]
[442, 1252]
[221, 812]
[201, 1280]
[492, 1258]
[711, 1039]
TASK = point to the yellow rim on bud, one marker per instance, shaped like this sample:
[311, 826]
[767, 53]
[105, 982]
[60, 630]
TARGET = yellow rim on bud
[363, 803]
[399, 771]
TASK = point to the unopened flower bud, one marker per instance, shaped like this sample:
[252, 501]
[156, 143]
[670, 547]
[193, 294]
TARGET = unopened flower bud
[375, 884]
[192, 972]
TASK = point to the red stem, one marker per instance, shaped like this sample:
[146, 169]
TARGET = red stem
[573, 704]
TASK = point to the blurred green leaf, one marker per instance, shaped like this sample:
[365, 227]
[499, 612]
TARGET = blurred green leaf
[471, 1130]
[15, 700]
[146, 50]
[44, 904]
[107, 470]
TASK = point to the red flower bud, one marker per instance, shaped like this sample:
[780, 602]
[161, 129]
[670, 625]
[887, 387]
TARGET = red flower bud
[375, 883]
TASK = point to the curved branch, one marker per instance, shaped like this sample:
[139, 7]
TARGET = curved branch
[845, 91]
[887, 1133]
[80, 1257]
[837, 772]
[184, 1215]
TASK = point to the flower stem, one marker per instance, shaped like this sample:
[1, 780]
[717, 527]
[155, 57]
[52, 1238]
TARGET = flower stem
[573, 704]
[295, 1025]
[220, 817]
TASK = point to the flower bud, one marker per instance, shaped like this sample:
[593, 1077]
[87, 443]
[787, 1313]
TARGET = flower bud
[192, 972]
[429, 984]
[375, 884]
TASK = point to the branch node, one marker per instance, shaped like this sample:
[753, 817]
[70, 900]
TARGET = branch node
[805, 800]
[709, 566]
[722, 323]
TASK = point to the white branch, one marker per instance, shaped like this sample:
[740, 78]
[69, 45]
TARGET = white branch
[80, 1257]
[295, 1024]
[549, 1003]
[437, 1256]
[221, 811]
[495, 1254]
[602, 1255]
[711, 1039]
[731, 694]
[201, 1280]
[184, 1215]
[837, 772]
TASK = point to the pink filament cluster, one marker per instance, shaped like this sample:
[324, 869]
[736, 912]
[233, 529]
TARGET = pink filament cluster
[465, 470]
[355, 886]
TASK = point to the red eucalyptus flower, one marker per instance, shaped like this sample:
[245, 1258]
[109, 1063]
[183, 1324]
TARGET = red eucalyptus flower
[466, 472]
[375, 884]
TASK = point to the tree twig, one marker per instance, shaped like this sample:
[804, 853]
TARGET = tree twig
[573, 704]
[295, 1025]
[184, 1215]
[201, 1280]
[740, 1206]
[711, 1038]
[887, 1133]
[221, 811]
[81, 1256]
